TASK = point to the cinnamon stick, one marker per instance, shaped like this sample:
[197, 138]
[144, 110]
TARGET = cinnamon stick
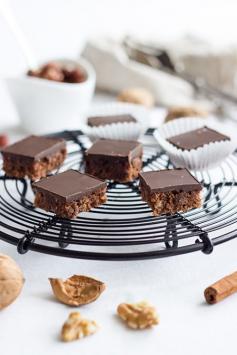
[221, 289]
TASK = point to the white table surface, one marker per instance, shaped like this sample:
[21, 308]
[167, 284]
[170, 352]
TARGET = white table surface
[174, 285]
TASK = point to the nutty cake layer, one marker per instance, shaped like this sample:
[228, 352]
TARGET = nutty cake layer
[170, 191]
[116, 160]
[33, 157]
[69, 193]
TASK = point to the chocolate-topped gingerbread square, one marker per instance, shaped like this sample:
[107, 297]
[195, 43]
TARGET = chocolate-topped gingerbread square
[116, 160]
[69, 193]
[97, 121]
[170, 191]
[33, 157]
[197, 138]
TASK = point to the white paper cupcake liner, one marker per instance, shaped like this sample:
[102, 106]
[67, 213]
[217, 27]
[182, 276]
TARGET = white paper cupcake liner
[202, 158]
[120, 131]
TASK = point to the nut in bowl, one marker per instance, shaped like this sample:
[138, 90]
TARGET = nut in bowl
[46, 103]
[195, 144]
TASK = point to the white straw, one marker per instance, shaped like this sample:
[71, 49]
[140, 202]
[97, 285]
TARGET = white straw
[7, 14]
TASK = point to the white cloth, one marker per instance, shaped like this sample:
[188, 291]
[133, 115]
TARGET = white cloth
[199, 58]
[115, 72]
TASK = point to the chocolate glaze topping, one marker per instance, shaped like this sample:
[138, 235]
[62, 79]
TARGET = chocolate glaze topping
[116, 148]
[197, 138]
[170, 180]
[35, 147]
[97, 121]
[69, 185]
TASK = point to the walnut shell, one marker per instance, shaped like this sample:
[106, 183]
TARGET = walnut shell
[11, 281]
[77, 290]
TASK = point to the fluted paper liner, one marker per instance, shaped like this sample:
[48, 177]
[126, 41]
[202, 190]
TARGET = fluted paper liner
[120, 131]
[202, 158]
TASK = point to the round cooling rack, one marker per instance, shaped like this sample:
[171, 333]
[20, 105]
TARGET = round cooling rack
[123, 228]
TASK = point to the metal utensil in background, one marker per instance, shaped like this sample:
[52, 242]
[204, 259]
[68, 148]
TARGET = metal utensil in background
[158, 58]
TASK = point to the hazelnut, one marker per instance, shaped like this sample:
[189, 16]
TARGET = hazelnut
[183, 111]
[56, 72]
[52, 71]
[51, 65]
[3, 140]
[138, 96]
[35, 73]
[73, 76]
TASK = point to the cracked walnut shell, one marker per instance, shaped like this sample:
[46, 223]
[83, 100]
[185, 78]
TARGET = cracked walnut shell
[139, 315]
[77, 290]
[77, 327]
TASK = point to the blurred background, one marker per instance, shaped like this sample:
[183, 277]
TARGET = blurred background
[60, 28]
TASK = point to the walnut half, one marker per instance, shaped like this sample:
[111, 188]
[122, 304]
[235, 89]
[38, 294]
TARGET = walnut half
[139, 315]
[77, 290]
[77, 328]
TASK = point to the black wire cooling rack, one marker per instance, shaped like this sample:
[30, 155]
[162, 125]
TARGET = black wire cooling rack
[123, 228]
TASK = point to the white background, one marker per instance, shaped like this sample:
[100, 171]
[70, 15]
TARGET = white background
[175, 285]
[59, 28]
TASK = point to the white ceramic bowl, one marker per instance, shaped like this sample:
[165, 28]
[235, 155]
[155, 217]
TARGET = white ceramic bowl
[46, 106]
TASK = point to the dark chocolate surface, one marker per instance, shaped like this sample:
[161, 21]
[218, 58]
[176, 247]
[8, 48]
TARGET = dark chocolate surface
[115, 148]
[97, 121]
[197, 138]
[69, 185]
[35, 147]
[170, 180]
